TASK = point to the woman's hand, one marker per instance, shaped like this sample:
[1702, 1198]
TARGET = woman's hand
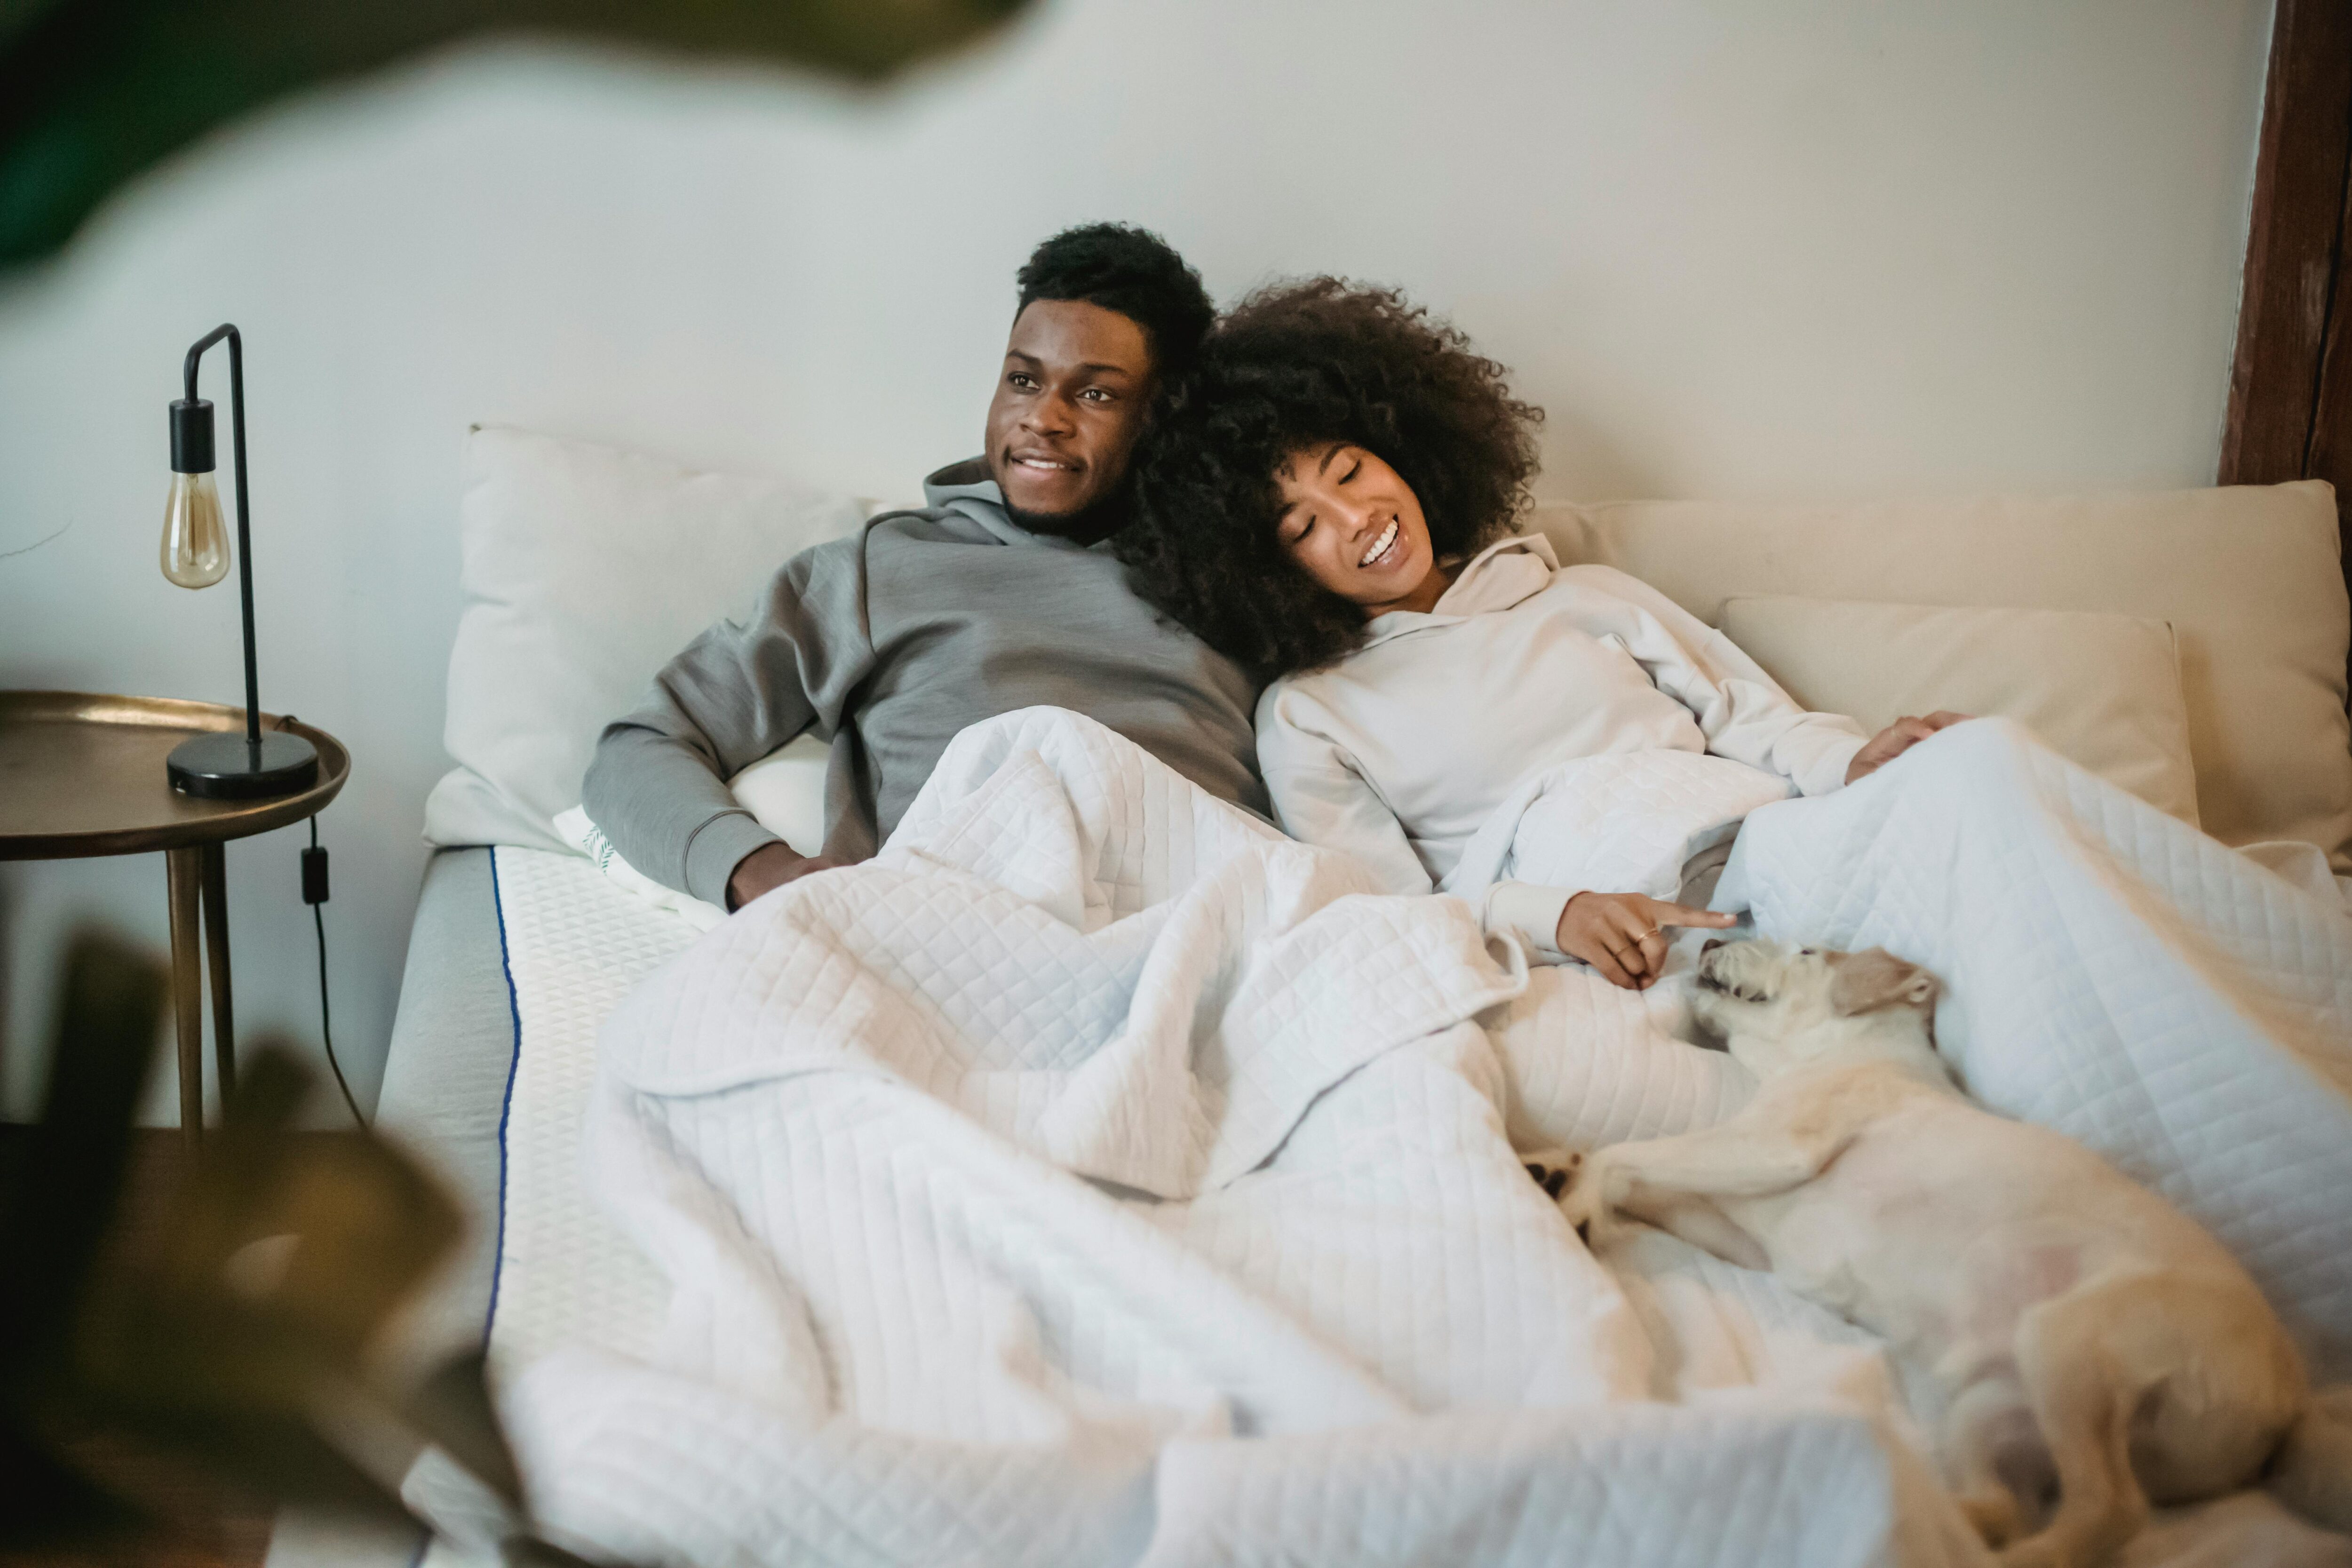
[770, 866]
[1623, 936]
[1898, 738]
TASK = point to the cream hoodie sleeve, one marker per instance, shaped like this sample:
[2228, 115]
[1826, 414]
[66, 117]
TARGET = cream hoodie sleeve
[1742, 711]
[1321, 797]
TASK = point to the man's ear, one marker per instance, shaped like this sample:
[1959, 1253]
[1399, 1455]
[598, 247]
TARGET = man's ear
[1866, 981]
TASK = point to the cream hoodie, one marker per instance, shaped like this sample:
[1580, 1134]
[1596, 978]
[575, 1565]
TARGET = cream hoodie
[1400, 752]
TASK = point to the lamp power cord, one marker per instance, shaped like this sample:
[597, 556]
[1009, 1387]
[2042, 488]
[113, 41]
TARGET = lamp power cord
[314, 893]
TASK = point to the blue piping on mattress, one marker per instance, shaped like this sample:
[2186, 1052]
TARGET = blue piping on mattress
[506, 1106]
[506, 1115]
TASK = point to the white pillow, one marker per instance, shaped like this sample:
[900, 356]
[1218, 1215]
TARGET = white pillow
[783, 790]
[2101, 691]
[586, 568]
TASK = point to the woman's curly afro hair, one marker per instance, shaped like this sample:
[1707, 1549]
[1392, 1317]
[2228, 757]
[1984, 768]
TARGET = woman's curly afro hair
[1294, 366]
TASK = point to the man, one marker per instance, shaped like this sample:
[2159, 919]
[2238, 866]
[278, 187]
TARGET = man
[999, 594]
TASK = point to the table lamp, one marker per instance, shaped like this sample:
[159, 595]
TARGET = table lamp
[221, 764]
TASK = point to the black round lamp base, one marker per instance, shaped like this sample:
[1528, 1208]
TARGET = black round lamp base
[221, 765]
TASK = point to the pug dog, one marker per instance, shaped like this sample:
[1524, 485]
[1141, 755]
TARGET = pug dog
[2086, 1339]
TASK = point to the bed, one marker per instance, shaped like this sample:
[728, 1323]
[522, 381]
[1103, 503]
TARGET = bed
[2215, 622]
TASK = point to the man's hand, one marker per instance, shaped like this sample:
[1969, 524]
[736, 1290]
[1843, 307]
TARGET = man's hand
[770, 866]
[1621, 934]
[1898, 738]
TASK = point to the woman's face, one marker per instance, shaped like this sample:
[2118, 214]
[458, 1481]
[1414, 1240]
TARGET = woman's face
[1356, 527]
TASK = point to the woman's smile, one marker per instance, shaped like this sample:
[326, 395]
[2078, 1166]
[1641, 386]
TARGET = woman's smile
[1355, 526]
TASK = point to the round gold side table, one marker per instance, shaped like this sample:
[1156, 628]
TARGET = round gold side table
[81, 773]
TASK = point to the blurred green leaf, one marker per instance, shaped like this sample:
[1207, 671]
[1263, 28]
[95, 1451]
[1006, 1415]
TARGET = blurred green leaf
[93, 92]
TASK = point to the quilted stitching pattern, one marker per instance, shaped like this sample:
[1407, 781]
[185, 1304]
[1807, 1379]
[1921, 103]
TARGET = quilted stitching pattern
[1809, 1486]
[902, 1330]
[575, 946]
[1069, 974]
[1589, 1064]
[903, 1327]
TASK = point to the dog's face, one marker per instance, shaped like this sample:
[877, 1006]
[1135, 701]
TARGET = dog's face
[1780, 1007]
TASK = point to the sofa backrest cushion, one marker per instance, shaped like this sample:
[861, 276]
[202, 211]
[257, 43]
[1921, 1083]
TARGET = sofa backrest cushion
[2248, 577]
[2104, 691]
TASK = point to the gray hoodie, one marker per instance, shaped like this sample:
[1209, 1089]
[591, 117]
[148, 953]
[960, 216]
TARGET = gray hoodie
[887, 644]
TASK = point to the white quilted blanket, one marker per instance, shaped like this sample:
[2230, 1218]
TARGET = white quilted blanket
[1097, 1177]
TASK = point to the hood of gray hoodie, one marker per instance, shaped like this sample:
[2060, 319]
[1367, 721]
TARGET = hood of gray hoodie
[965, 490]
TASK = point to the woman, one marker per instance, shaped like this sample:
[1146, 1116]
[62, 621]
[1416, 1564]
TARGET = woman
[1329, 501]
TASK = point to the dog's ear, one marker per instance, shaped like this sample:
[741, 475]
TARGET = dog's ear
[1866, 981]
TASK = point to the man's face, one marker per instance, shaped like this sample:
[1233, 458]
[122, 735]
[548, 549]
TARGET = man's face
[1068, 406]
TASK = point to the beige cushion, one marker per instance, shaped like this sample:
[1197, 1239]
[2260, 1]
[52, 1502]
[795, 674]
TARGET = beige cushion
[2102, 690]
[2248, 578]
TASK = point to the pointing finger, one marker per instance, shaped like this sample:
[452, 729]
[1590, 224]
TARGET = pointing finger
[1666, 914]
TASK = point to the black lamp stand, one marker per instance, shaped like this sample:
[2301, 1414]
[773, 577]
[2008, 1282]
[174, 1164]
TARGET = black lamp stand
[222, 765]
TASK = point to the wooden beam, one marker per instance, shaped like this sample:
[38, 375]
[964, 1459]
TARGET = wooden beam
[2328, 454]
[2290, 385]
[2293, 244]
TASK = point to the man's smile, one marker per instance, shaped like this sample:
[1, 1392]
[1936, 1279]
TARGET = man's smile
[1068, 405]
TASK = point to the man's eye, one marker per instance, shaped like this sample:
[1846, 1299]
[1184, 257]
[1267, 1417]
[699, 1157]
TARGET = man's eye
[1021, 381]
[1099, 394]
[1352, 471]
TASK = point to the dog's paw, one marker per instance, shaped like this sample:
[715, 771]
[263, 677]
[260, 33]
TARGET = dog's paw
[1581, 1200]
[1554, 1170]
[1994, 1515]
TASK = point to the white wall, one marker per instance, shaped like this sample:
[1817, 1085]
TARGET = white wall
[1737, 247]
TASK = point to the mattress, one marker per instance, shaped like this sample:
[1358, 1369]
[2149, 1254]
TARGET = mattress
[574, 945]
[508, 944]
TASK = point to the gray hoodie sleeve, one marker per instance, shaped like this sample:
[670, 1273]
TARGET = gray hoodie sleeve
[657, 785]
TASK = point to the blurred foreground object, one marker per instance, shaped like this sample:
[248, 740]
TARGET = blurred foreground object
[93, 92]
[247, 1340]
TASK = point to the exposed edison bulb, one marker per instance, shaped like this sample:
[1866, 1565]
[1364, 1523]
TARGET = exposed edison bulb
[195, 541]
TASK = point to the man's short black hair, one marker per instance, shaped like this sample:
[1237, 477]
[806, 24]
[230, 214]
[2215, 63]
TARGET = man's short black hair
[1132, 272]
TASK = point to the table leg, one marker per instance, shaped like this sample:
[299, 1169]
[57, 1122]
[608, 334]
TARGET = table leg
[216, 968]
[185, 871]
